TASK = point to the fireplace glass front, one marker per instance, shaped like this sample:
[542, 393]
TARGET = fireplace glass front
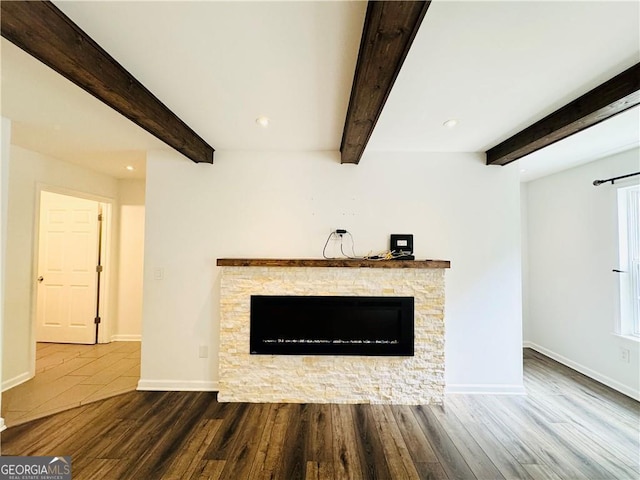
[330, 325]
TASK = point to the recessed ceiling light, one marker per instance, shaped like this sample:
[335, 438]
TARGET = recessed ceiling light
[263, 121]
[450, 123]
[522, 170]
[130, 168]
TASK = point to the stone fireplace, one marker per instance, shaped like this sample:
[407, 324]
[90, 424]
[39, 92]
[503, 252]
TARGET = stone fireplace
[332, 378]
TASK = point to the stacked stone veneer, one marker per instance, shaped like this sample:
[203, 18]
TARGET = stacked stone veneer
[331, 378]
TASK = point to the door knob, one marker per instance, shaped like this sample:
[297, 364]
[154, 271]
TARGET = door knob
[40, 279]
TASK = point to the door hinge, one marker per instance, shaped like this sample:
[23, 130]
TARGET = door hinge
[99, 217]
[99, 268]
[97, 320]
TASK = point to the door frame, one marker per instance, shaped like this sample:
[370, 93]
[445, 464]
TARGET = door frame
[104, 332]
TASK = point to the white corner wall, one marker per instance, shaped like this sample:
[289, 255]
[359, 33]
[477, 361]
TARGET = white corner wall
[5, 141]
[572, 249]
[524, 243]
[285, 204]
[128, 321]
[27, 169]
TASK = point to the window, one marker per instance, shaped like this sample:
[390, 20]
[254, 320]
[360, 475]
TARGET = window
[629, 257]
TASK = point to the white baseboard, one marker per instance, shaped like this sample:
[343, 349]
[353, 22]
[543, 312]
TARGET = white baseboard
[2, 425]
[126, 338]
[15, 381]
[484, 389]
[608, 381]
[177, 386]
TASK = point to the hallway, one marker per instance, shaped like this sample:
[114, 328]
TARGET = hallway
[69, 375]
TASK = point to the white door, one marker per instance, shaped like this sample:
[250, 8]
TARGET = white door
[67, 277]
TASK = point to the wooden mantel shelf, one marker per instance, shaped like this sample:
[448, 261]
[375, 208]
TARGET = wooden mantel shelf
[338, 262]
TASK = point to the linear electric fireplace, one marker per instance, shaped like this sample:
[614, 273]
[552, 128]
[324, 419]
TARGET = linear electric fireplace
[332, 325]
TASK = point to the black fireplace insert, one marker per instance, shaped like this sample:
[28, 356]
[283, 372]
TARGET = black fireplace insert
[327, 325]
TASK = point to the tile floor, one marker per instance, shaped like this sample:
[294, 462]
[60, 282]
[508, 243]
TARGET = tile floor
[68, 376]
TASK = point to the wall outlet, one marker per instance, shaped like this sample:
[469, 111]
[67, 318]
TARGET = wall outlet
[203, 351]
[158, 273]
[624, 355]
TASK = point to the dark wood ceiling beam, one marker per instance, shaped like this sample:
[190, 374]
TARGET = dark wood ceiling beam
[42, 30]
[388, 32]
[612, 97]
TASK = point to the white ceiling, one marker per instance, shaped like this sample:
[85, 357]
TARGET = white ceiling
[53, 116]
[497, 67]
[220, 65]
[494, 66]
[617, 134]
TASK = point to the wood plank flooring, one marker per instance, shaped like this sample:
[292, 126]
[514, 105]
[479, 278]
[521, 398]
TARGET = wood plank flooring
[567, 427]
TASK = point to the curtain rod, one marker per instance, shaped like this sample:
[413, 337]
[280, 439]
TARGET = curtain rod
[612, 180]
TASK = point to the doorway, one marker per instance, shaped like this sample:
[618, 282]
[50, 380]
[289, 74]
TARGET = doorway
[71, 268]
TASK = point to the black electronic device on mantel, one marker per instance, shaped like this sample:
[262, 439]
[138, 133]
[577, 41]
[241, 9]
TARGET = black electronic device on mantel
[401, 246]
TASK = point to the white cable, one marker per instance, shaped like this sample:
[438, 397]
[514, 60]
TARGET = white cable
[325, 246]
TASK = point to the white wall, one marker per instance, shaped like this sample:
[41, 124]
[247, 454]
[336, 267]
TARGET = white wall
[285, 204]
[572, 248]
[5, 141]
[524, 243]
[128, 321]
[27, 169]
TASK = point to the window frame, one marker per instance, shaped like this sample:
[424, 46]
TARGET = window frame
[628, 321]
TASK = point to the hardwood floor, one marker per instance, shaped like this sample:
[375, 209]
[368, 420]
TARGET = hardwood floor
[567, 427]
